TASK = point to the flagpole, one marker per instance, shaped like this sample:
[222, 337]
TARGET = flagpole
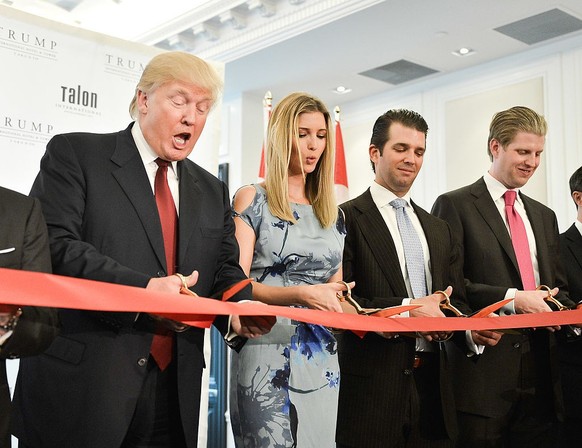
[340, 170]
[267, 107]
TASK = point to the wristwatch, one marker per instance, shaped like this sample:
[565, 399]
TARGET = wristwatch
[7, 323]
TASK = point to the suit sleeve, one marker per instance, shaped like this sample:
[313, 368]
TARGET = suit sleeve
[456, 277]
[62, 190]
[37, 326]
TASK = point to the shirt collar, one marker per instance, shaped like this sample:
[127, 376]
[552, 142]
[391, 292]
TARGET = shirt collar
[497, 189]
[147, 154]
[382, 196]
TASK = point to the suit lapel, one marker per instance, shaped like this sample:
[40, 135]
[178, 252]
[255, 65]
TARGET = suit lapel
[133, 180]
[434, 244]
[190, 200]
[575, 247]
[379, 239]
[535, 219]
[487, 209]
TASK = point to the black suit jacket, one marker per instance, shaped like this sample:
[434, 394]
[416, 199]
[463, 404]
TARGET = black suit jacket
[486, 385]
[377, 380]
[571, 352]
[22, 228]
[103, 225]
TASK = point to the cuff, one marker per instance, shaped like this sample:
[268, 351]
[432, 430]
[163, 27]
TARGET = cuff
[474, 349]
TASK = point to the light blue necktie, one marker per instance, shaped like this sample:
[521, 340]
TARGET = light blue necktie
[413, 254]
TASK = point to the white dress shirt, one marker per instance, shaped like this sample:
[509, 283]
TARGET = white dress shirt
[148, 157]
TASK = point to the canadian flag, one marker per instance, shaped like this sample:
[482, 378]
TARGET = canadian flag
[267, 107]
[340, 173]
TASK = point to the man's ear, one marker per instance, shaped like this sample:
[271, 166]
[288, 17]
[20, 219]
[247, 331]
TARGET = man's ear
[494, 147]
[577, 196]
[374, 153]
[142, 101]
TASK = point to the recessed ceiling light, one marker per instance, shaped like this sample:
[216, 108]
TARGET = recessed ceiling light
[464, 51]
[342, 90]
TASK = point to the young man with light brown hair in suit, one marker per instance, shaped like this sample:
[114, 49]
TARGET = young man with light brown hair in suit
[510, 395]
[395, 392]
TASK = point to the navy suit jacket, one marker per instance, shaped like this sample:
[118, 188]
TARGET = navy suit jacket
[22, 228]
[485, 385]
[104, 225]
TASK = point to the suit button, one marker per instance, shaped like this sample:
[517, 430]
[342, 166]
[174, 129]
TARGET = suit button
[142, 362]
[161, 274]
[516, 345]
[407, 372]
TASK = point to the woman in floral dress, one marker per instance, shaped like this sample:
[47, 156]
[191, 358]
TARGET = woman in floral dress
[284, 385]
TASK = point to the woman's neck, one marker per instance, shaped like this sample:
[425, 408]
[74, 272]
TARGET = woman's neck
[296, 187]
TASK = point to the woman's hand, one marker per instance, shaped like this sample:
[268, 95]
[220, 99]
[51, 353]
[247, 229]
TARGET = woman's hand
[323, 296]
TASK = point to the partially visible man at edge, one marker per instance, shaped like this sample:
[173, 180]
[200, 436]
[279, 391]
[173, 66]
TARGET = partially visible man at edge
[570, 347]
[26, 330]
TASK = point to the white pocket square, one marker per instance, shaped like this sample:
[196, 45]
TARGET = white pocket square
[5, 251]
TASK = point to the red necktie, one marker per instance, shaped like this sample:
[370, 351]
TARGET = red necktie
[520, 242]
[162, 342]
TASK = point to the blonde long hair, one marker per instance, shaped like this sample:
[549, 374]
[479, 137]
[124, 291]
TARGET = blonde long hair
[282, 143]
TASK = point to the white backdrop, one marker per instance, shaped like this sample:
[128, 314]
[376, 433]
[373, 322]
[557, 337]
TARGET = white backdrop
[56, 78]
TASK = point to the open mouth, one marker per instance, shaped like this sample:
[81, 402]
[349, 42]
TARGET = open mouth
[181, 139]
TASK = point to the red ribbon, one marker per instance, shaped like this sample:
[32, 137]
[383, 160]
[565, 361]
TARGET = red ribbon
[39, 289]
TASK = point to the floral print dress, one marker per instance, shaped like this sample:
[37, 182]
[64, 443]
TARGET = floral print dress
[284, 386]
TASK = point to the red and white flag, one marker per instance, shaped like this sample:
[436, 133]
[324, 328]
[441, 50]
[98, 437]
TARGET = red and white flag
[267, 107]
[340, 173]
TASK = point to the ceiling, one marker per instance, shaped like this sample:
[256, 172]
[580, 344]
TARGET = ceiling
[317, 45]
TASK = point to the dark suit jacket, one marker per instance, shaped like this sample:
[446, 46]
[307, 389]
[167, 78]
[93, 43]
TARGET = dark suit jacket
[377, 380]
[22, 227]
[571, 352]
[486, 385]
[103, 225]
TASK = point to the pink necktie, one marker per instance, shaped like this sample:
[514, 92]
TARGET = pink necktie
[519, 241]
[161, 348]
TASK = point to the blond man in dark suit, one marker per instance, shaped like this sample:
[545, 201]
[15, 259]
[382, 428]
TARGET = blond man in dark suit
[510, 395]
[100, 384]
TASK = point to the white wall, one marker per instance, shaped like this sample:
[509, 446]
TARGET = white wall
[458, 108]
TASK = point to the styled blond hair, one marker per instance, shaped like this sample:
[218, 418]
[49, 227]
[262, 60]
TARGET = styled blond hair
[177, 66]
[506, 124]
[282, 144]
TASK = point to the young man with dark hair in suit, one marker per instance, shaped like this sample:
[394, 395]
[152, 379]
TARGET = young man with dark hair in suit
[570, 348]
[24, 331]
[395, 392]
[510, 395]
[130, 208]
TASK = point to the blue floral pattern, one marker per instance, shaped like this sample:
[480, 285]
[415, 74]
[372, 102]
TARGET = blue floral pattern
[285, 385]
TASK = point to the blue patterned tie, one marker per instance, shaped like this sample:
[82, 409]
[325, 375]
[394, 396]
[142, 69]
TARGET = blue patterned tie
[412, 249]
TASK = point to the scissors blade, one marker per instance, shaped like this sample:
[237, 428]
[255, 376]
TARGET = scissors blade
[484, 312]
[393, 310]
